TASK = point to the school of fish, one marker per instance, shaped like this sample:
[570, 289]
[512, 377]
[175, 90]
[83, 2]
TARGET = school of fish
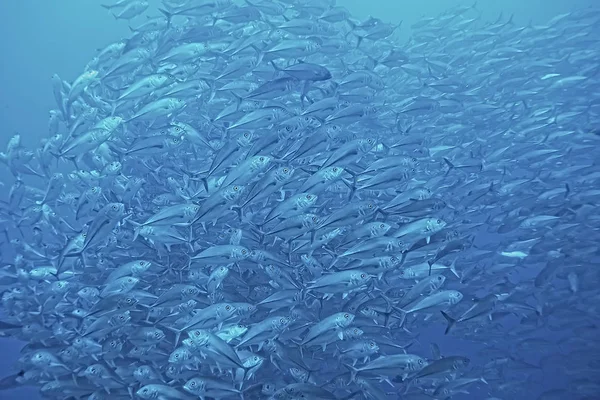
[274, 200]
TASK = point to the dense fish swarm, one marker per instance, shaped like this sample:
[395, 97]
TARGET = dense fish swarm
[276, 201]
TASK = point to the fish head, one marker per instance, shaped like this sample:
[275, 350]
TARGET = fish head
[240, 253]
[455, 296]
[282, 174]
[438, 281]
[417, 363]
[380, 229]
[366, 145]
[195, 386]
[113, 168]
[112, 123]
[60, 287]
[114, 211]
[268, 389]
[343, 320]
[367, 208]
[189, 291]
[436, 224]
[245, 310]
[280, 323]
[93, 192]
[120, 319]
[147, 392]
[199, 336]
[128, 300]
[92, 371]
[299, 374]
[179, 355]
[142, 372]
[332, 130]
[407, 273]
[112, 346]
[260, 162]
[306, 200]
[172, 142]
[332, 173]
[245, 139]
[88, 292]
[371, 347]
[233, 192]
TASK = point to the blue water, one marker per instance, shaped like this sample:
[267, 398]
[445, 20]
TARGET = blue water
[39, 38]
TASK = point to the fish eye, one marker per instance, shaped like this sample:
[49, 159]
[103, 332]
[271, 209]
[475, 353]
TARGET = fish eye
[439, 221]
[382, 226]
[244, 251]
[363, 276]
[372, 344]
[285, 170]
[282, 321]
[308, 197]
[246, 134]
[413, 159]
[314, 219]
[228, 308]
[334, 169]
[261, 159]
[114, 207]
[370, 205]
[235, 188]
[346, 316]
[420, 362]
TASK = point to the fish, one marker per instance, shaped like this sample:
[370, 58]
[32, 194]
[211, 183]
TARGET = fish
[274, 199]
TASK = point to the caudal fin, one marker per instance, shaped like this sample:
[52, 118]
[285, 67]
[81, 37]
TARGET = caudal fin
[451, 322]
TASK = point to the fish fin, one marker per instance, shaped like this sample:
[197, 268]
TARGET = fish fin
[168, 15]
[353, 372]
[451, 322]
[453, 269]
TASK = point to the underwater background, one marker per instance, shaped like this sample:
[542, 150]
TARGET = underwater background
[41, 38]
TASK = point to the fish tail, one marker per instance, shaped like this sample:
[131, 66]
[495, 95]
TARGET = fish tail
[449, 164]
[451, 322]
[353, 372]
[168, 15]
[452, 268]
[239, 211]
[204, 181]
[359, 40]
[403, 314]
